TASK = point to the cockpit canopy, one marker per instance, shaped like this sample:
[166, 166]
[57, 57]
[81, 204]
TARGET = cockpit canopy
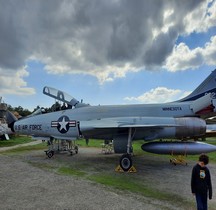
[62, 96]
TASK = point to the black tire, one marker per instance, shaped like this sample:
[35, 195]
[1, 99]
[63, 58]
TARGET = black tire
[126, 162]
[76, 149]
[50, 154]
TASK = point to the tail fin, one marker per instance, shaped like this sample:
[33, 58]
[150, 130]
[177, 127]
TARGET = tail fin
[207, 86]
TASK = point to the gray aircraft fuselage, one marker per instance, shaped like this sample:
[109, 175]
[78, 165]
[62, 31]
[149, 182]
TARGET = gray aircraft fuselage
[109, 121]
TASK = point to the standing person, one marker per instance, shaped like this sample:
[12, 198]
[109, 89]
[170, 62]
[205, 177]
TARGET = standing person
[87, 141]
[201, 185]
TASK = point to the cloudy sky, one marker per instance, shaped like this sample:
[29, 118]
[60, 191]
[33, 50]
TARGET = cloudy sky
[105, 52]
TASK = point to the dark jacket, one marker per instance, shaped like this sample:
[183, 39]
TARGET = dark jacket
[201, 180]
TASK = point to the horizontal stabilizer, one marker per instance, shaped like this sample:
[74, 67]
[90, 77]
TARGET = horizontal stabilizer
[210, 127]
[6, 136]
[201, 103]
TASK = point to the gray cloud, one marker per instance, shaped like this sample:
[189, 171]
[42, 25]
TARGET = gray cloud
[93, 37]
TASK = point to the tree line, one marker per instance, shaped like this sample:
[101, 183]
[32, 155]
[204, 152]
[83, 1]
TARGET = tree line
[25, 112]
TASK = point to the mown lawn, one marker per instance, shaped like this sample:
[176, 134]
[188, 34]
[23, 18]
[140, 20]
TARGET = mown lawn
[15, 140]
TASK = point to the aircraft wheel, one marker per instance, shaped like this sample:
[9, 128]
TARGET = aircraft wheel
[126, 162]
[76, 149]
[50, 154]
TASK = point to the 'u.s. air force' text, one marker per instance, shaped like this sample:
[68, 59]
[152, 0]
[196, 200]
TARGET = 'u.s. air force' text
[177, 108]
[28, 127]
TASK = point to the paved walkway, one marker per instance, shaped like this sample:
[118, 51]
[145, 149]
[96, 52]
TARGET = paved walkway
[20, 145]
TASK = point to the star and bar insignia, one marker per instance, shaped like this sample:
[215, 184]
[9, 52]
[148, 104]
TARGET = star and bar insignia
[63, 124]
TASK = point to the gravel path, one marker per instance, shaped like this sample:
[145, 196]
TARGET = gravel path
[27, 187]
[24, 186]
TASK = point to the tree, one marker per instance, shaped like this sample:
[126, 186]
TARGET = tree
[22, 112]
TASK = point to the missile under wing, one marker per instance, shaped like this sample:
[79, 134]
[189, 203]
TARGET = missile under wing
[178, 147]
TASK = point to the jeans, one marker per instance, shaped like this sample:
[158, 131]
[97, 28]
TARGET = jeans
[201, 200]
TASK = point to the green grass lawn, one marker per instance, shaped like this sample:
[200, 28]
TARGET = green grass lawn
[138, 151]
[14, 140]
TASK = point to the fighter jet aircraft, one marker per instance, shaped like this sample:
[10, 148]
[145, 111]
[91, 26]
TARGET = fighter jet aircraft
[6, 118]
[126, 123]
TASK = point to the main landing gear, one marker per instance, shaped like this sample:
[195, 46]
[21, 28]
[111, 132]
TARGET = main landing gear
[125, 162]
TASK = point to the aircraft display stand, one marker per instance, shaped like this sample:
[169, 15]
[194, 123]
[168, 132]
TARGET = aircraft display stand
[107, 147]
[55, 145]
[180, 159]
[119, 169]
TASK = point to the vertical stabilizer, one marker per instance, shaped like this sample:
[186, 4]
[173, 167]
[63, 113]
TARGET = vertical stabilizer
[207, 86]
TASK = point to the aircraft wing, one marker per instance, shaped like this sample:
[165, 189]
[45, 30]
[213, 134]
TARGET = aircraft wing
[128, 122]
[4, 130]
[147, 128]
